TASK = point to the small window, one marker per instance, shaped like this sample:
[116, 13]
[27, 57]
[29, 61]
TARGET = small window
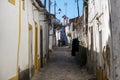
[23, 4]
[12, 1]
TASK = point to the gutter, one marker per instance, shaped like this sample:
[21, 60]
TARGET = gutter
[19, 38]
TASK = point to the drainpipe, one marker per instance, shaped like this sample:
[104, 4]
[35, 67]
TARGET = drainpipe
[19, 38]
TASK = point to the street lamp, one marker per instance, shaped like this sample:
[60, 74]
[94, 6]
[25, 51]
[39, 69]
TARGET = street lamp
[59, 10]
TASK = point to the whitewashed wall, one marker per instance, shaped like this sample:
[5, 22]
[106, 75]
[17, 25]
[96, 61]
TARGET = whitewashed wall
[51, 38]
[43, 24]
[36, 20]
[23, 57]
[9, 20]
[67, 30]
[115, 27]
[8, 39]
[99, 9]
[57, 36]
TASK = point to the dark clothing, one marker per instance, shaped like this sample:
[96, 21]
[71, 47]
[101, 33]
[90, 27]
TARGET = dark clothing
[64, 39]
[75, 46]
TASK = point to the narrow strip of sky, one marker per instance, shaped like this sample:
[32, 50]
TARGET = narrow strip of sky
[68, 7]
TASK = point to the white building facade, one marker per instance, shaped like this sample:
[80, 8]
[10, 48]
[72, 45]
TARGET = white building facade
[21, 39]
[103, 38]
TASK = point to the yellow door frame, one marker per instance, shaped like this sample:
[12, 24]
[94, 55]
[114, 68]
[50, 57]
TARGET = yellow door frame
[29, 55]
[36, 58]
[41, 46]
[16, 77]
[12, 1]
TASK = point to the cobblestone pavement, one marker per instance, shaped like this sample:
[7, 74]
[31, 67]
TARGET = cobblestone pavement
[62, 66]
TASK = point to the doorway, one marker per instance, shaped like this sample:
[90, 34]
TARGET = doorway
[36, 55]
[30, 41]
[41, 46]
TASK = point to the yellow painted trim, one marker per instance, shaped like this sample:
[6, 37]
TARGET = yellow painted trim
[12, 1]
[19, 38]
[36, 48]
[38, 64]
[100, 73]
[29, 59]
[30, 26]
[14, 78]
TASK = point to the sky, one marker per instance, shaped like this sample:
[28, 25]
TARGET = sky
[71, 9]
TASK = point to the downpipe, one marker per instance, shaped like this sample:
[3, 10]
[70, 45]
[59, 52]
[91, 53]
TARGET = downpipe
[19, 38]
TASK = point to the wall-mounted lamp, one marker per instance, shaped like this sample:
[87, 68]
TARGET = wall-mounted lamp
[59, 11]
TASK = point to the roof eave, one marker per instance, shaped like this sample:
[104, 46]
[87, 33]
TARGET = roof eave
[40, 3]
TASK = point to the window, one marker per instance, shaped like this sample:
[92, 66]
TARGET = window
[23, 4]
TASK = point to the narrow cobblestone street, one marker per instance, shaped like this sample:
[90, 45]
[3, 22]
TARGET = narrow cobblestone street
[62, 66]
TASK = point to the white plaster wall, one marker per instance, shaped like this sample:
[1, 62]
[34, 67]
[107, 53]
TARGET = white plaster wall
[30, 17]
[102, 8]
[71, 27]
[67, 30]
[74, 34]
[57, 36]
[8, 39]
[51, 38]
[33, 16]
[9, 36]
[23, 57]
[104, 20]
[41, 21]
[115, 25]
[71, 30]
[36, 19]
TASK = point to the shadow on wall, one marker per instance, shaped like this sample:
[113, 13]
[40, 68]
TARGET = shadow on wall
[91, 59]
[79, 51]
[75, 46]
[81, 56]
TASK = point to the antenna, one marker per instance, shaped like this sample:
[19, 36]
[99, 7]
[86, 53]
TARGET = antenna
[55, 7]
[65, 4]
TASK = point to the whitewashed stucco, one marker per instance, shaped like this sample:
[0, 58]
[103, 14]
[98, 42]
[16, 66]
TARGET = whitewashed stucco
[98, 20]
[9, 39]
[9, 30]
[51, 35]
[115, 27]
